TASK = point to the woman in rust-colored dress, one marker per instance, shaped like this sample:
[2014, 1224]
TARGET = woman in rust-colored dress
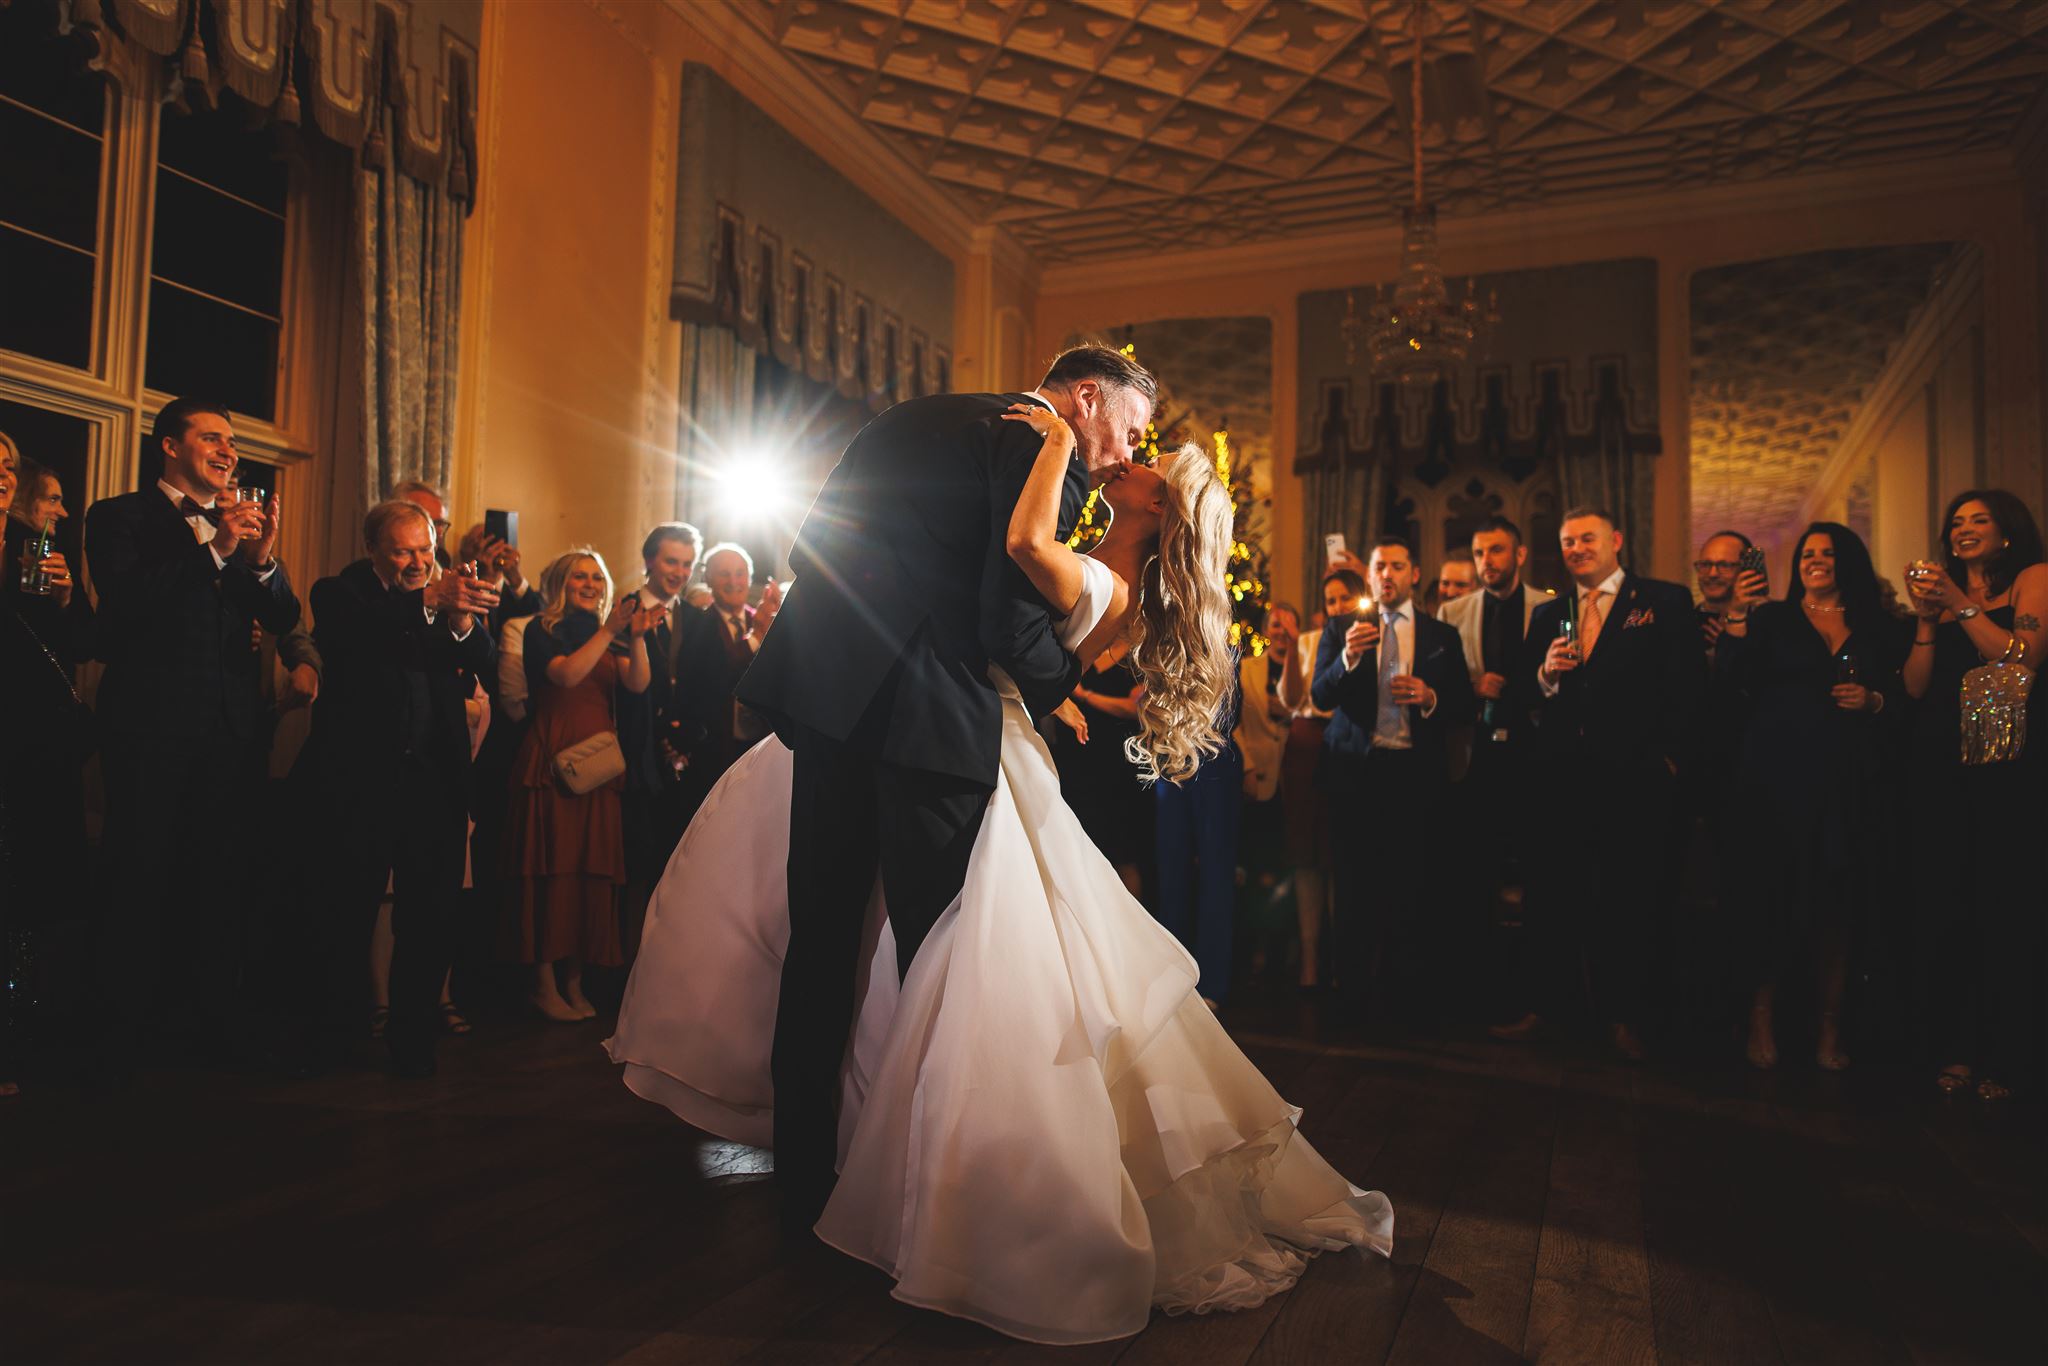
[567, 853]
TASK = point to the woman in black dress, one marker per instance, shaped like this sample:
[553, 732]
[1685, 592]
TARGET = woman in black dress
[1976, 827]
[1096, 780]
[1819, 673]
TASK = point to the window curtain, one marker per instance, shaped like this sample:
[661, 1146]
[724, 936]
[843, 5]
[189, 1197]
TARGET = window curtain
[408, 246]
[717, 417]
[1612, 469]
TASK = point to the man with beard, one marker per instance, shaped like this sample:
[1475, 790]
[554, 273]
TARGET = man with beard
[1491, 795]
[386, 775]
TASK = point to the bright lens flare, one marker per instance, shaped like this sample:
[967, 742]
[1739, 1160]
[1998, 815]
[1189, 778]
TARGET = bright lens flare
[753, 485]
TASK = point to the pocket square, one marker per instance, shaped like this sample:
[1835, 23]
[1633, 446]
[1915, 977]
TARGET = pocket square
[1641, 616]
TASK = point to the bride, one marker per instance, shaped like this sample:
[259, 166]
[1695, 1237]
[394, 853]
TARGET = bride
[1044, 1129]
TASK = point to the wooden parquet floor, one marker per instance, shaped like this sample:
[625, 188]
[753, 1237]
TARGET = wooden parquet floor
[523, 1207]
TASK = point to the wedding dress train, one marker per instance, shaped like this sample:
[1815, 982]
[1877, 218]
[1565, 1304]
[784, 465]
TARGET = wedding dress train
[1045, 1130]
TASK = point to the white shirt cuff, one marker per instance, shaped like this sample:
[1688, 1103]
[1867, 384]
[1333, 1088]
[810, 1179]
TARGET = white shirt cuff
[219, 560]
[1547, 686]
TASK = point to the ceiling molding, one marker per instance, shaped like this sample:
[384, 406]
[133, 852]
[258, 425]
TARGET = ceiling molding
[761, 69]
[1372, 253]
[1903, 373]
[1112, 128]
[1007, 253]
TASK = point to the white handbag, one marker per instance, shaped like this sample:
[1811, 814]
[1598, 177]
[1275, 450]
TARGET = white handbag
[589, 765]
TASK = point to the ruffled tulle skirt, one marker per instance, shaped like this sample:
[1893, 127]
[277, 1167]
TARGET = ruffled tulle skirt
[1045, 1130]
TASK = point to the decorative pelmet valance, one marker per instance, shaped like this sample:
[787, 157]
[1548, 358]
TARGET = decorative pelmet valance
[778, 246]
[348, 60]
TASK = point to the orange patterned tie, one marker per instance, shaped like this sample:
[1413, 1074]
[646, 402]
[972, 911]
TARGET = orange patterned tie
[1589, 621]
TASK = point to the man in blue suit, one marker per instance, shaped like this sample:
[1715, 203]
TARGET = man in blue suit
[1397, 682]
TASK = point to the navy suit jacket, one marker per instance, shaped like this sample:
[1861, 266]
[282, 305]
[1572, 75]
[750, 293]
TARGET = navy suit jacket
[1353, 696]
[173, 629]
[1630, 706]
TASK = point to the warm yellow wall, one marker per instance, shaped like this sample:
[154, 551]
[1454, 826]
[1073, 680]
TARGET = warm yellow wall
[570, 362]
[1684, 233]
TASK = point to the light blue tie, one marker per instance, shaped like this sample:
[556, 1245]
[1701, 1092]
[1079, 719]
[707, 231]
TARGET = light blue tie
[1390, 727]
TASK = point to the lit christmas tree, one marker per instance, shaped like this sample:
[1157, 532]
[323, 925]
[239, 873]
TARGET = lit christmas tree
[1245, 576]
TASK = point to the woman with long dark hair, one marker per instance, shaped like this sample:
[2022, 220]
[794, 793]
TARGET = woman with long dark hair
[1976, 812]
[1820, 674]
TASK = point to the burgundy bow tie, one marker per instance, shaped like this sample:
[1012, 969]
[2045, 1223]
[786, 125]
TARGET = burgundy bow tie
[188, 508]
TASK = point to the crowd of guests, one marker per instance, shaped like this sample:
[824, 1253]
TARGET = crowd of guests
[1799, 811]
[480, 766]
[1621, 804]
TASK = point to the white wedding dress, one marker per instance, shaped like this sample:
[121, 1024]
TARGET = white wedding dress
[1045, 1130]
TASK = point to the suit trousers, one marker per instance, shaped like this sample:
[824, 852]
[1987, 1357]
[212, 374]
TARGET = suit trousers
[168, 955]
[1378, 814]
[418, 849]
[1599, 891]
[851, 815]
[1196, 841]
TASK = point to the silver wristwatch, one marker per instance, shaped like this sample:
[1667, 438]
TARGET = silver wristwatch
[1965, 613]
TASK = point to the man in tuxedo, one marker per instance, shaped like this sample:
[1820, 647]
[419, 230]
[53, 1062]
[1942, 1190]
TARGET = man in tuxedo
[386, 775]
[717, 659]
[663, 786]
[183, 577]
[1612, 706]
[1396, 680]
[876, 676]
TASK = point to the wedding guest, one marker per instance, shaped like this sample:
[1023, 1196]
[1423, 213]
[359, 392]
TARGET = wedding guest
[386, 776]
[719, 657]
[1492, 792]
[1261, 736]
[181, 577]
[1976, 812]
[42, 835]
[566, 851]
[1305, 804]
[498, 564]
[1195, 841]
[1097, 781]
[1397, 681]
[1612, 703]
[1458, 578]
[1820, 671]
[61, 617]
[1715, 571]
[430, 499]
[662, 791]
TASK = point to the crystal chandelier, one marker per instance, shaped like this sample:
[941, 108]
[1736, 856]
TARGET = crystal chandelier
[1417, 332]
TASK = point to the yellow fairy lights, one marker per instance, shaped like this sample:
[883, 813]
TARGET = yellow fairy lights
[1244, 579]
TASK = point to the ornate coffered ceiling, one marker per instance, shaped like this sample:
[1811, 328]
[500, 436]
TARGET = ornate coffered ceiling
[1095, 128]
[1783, 352]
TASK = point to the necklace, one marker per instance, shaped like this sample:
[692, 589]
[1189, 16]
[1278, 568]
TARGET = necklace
[1810, 605]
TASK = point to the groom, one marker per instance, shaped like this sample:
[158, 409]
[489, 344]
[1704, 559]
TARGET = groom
[876, 676]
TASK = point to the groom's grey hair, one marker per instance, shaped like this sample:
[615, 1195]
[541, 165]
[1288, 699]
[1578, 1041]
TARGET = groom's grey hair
[1103, 364]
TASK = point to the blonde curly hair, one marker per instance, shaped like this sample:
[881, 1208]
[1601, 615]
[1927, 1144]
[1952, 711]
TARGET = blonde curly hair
[1180, 633]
